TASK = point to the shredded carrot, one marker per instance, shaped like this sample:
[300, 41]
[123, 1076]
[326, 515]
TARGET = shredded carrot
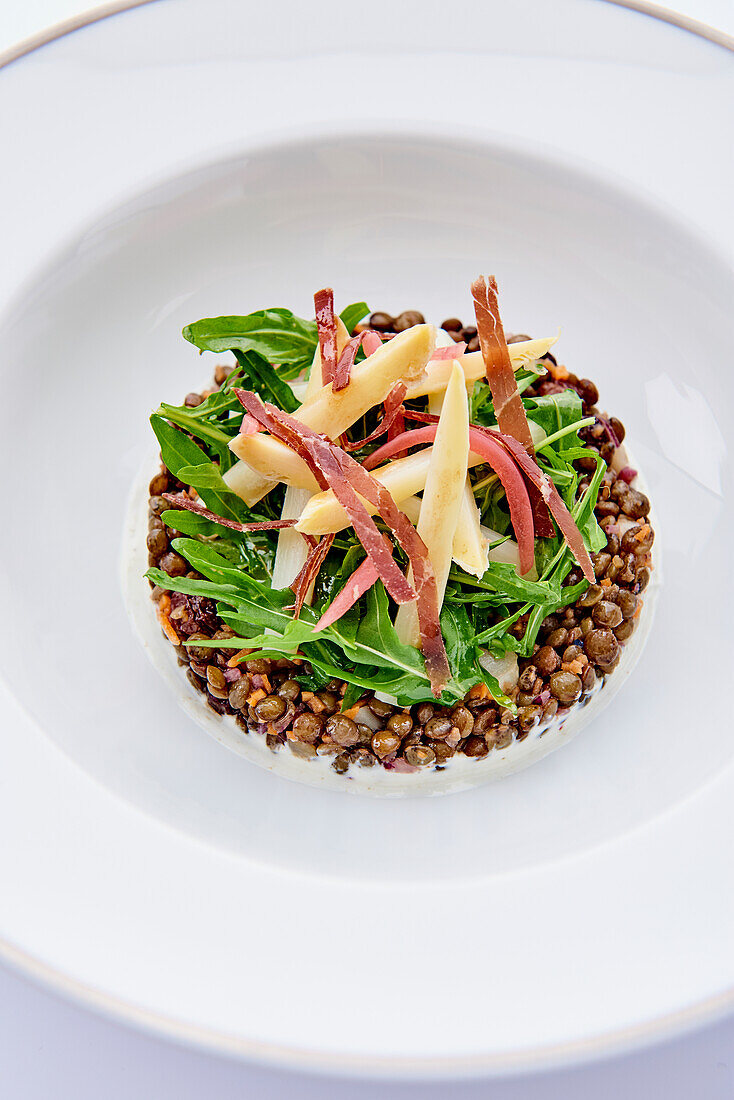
[255, 696]
[164, 606]
[353, 711]
[576, 666]
[234, 661]
[558, 371]
[638, 609]
[169, 632]
[266, 684]
[479, 691]
[605, 582]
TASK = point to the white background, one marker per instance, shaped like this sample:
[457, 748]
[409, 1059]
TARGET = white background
[52, 1049]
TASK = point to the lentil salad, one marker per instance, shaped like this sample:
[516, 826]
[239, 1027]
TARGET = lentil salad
[522, 644]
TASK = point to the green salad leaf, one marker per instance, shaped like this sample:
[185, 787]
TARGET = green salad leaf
[266, 381]
[278, 335]
[353, 314]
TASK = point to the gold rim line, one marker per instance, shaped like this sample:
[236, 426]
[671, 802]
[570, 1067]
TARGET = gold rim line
[117, 7]
[678, 19]
[68, 26]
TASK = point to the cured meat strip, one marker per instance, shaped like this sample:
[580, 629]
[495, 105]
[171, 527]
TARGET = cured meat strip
[508, 406]
[541, 482]
[249, 425]
[542, 522]
[362, 579]
[424, 578]
[189, 505]
[309, 572]
[323, 301]
[400, 443]
[347, 479]
[541, 516]
[393, 410]
[347, 357]
[323, 456]
[455, 351]
[518, 500]
[556, 507]
[503, 465]
[303, 440]
[291, 433]
[371, 341]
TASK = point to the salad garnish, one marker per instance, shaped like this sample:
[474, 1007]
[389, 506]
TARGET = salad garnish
[399, 560]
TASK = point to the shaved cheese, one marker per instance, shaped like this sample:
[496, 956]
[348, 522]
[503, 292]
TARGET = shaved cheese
[537, 433]
[331, 413]
[442, 496]
[436, 375]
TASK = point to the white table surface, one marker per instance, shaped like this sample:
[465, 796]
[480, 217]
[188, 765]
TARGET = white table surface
[51, 1049]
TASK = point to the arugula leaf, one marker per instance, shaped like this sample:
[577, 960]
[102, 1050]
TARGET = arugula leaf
[179, 453]
[504, 578]
[351, 696]
[207, 478]
[586, 521]
[353, 314]
[189, 523]
[377, 634]
[277, 335]
[215, 440]
[190, 586]
[177, 450]
[265, 381]
[555, 411]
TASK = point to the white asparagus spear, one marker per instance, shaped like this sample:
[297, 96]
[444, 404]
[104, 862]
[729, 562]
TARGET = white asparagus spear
[291, 551]
[442, 495]
[436, 375]
[470, 546]
[405, 358]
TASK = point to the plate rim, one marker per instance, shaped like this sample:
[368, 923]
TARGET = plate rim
[68, 26]
[621, 1041]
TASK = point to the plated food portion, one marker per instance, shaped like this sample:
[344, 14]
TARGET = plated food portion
[380, 544]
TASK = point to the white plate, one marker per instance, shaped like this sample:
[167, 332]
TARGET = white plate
[184, 159]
